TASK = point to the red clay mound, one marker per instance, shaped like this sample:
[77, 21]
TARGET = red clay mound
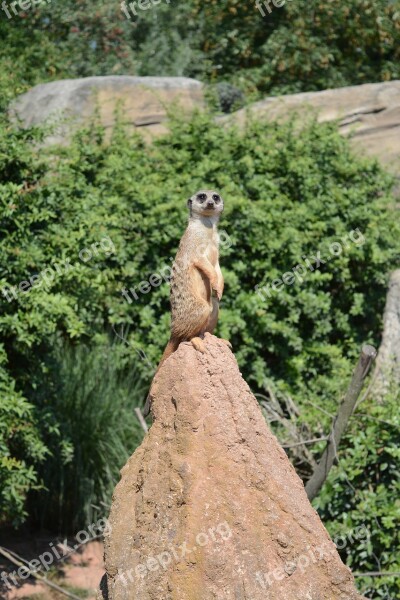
[209, 507]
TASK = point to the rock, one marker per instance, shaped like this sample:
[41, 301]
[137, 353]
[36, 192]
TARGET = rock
[209, 506]
[73, 101]
[369, 113]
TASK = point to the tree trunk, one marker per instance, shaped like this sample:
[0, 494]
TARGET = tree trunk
[387, 369]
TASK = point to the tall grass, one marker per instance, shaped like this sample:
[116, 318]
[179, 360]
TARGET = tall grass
[91, 429]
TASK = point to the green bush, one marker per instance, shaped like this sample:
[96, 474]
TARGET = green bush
[290, 190]
[363, 490]
[21, 450]
[302, 46]
[88, 401]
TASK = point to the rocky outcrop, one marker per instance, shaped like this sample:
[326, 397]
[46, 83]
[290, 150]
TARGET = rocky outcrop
[209, 506]
[369, 114]
[143, 102]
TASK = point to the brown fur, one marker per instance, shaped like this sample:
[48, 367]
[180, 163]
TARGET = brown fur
[197, 283]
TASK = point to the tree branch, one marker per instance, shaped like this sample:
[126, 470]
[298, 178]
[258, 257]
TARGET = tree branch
[141, 420]
[44, 580]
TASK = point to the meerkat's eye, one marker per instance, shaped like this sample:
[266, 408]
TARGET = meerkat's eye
[216, 198]
[201, 197]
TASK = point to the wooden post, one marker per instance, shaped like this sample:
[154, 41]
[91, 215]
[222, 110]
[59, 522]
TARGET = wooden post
[345, 411]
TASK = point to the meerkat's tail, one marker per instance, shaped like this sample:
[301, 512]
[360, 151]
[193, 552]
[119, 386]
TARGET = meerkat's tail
[170, 349]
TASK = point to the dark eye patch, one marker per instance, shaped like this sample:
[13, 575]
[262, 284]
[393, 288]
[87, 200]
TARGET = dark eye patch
[216, 198]
[201, 197]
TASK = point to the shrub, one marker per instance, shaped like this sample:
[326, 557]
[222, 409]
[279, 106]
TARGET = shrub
[88, 401]
[300, 46]
[363, 491]
[21, 450]
[291, 191]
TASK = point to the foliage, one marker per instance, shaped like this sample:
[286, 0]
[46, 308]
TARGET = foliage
[59, 40]
[364, 491]
[81, 224]
[230, 98]
[290, 192]
[302, 46]
[92, 430]
[53, 428]
[21, 449]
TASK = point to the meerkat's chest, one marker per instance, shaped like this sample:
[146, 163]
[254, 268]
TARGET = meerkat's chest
[201, 242]
[207, 246]
[212, 253]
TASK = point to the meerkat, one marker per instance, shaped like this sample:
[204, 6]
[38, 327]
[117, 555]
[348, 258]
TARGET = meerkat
[197, 283]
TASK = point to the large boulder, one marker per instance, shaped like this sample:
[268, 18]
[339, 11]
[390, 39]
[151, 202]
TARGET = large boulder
[369, 113]
[143, 102]
[209, 506]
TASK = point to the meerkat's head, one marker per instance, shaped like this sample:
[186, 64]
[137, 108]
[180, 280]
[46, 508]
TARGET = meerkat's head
[206, 203]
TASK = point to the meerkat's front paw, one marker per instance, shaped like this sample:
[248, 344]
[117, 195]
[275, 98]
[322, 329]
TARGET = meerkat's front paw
[198, 344]
[219, 290]
[217, 287]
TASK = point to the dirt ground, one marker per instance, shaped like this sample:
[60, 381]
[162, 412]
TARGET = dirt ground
[78, 571]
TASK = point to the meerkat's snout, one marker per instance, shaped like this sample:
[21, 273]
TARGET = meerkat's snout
[213, 200]
[207, 203]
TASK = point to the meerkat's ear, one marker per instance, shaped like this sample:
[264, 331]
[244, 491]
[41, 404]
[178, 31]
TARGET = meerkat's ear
[189, 203]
